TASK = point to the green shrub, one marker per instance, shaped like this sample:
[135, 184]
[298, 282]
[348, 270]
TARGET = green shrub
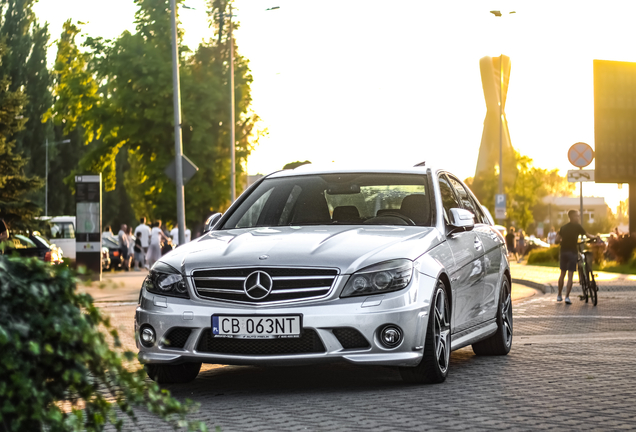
[539, 256]
[52, 352]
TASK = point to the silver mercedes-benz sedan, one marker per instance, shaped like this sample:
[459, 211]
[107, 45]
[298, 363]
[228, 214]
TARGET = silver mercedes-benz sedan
[372, 267]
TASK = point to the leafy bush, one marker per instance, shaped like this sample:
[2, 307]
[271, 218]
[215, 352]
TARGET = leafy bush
[623, 248]
[539, 256]
[54, 354]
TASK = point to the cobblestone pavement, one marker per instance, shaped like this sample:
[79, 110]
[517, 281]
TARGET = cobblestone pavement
[570, 368]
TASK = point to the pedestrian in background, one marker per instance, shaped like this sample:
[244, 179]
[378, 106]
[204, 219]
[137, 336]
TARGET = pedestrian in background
[131, 246]
[142, 232]
[4, 234]
[511, 243]
[108, 233]
[568, 237]
[552, 236]
[521, 245]
[156, 238]
[139, 256]
[122, 239]
[175, 235]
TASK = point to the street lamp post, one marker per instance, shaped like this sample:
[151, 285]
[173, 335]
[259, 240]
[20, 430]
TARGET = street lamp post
[46, 173]
[232, 107]
[178, 147]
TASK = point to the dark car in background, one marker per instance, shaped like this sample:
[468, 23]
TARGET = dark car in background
[33, 245]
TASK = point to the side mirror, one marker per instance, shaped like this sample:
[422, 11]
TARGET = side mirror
[461, 220]
[211, 222]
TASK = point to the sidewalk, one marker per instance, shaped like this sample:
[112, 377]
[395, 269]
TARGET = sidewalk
[116, 286]
[546, 279]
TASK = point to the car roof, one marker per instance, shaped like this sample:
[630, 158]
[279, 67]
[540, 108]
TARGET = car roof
[311, 169]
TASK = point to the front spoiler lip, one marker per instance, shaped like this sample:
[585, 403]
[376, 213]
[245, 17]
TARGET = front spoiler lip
[380, 359]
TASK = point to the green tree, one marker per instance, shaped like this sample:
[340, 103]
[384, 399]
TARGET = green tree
[296, 164]
[24, 65]
[75, 95]
[15, 208]
[525, 194]
[134, 114]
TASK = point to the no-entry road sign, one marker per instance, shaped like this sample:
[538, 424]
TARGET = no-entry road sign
[581, 155]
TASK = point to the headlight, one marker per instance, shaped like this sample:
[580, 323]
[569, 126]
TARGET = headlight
[166, 280]
[379, 278]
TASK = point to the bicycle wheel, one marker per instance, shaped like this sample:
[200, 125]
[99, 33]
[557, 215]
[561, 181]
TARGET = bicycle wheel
[593, 290]
[583, 282]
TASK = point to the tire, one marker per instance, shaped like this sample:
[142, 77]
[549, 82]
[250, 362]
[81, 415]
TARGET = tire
[583, 282]
[433, 368]
[593, 290]
[173, 374]
[501, 342]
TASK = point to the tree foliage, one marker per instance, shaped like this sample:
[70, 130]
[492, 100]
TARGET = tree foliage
[15, 208]
[54, 353]
[525, 194]
[133, 114]
[24, 65]
[293, 165]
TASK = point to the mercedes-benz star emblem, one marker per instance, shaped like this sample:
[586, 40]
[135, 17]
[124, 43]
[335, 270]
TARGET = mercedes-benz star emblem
[258, 285]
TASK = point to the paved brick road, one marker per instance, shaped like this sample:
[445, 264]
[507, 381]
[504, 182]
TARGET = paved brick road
[571, 368]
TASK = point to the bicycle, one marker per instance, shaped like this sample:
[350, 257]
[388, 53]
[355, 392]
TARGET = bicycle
[586, 275]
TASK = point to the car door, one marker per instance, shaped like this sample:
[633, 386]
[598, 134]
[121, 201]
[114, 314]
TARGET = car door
[467, 277]
[492, 242]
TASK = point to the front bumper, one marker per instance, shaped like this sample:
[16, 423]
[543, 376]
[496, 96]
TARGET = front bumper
[407, 309]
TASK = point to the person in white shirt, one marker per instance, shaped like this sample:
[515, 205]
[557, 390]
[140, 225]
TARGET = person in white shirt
[175, 235]
[552, 236]
[156, 238]
[142, 232]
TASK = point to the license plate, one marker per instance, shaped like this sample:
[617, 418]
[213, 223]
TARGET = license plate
[256, 327]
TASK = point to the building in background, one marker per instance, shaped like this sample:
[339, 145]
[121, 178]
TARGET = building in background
[594, 209]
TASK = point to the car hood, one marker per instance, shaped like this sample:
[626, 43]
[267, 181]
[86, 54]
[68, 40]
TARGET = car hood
[347, 248]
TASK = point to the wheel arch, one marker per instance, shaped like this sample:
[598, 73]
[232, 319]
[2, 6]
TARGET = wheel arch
[443, 277]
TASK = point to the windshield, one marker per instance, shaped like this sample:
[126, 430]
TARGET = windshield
[336, 199]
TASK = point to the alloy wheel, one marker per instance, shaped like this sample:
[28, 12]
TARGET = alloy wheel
[442, 331]
[506, 315]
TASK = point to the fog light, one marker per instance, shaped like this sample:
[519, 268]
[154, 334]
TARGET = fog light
[147, 336]
[391, 336]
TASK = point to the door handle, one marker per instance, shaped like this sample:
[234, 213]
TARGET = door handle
[477, 244]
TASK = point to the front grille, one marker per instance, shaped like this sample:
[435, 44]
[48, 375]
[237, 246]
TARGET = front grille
[350, 338]
[288, 283]
[308, 343]
[176, 338]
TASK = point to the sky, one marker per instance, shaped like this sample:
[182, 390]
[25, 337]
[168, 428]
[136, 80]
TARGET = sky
[370, 82]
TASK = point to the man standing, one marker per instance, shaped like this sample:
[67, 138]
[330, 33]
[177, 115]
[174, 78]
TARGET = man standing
[142, 232]
[552, 236]
[122, 238]
[175, 235]
[569, 236]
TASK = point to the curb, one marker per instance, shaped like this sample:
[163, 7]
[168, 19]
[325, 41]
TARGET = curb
[550, 288]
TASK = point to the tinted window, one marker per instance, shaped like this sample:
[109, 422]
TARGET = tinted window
[464, 196]
[350, 199]
[449, 199]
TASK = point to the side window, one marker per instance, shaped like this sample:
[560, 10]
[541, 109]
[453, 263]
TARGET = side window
[480, 215]
[69, 231]
[464, 197]
[449, 200]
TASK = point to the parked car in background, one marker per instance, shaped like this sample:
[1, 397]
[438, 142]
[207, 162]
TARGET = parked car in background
[61, 231]
[34, 245]
[533, 243]
[114, 255]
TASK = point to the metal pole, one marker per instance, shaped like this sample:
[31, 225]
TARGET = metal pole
[232, 131]
[178, 149]
[501, 188]
[581, 198]
[46, 180]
